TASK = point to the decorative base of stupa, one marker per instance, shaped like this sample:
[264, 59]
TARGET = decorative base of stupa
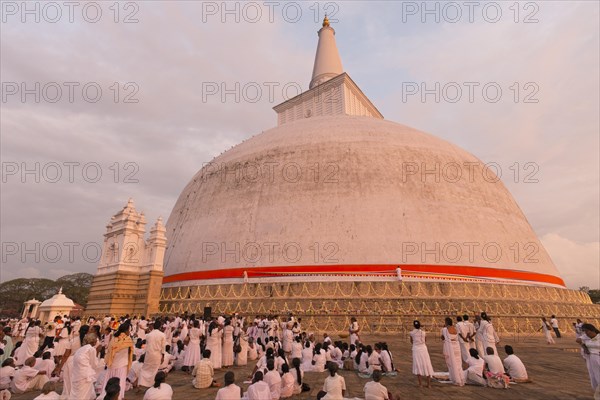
[387, 306]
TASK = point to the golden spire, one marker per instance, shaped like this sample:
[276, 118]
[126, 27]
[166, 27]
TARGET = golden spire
[325, 21]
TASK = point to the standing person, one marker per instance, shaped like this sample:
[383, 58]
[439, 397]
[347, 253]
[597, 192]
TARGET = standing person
[213, 343]
[452, 353]
[155, 347]
[353, 330]
[488, 333]
[30, 344]
[590, 343]
[50, 334]
[334, 387]
[546, 329]
[420, 355]
[192, 354]
[142, 325]
[119, 357]
[83, 370]
[241, 358]
[554, 323]
[63, 340]
[470, 331]
[227, 349]
[229, 391]
[462, 338]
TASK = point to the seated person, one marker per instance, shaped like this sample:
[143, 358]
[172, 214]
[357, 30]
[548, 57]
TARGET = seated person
[514, 366]
[335, 385]
[375, 390]
[48, 392]
[258, 390]
[204, 372]
[493, 362]
[28, 379]
[229, 391]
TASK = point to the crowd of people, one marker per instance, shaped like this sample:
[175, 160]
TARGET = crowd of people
[105, 358]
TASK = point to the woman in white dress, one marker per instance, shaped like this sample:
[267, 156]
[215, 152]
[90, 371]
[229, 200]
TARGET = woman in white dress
[474, 374]
[63, 341]
[420, 355]
[287, 382]
[241, 358]
[213, 343]
[488, 333]
[546, 328]
[227, 351]
[30, 344]
[452, 353]
[160, 390]
[83, 370]
[119, 357]
[192, 354]
[590, 345]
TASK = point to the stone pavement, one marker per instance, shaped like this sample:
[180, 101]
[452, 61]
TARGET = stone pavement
[558, 372]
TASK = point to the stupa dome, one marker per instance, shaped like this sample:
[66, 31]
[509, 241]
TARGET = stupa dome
[343, 194]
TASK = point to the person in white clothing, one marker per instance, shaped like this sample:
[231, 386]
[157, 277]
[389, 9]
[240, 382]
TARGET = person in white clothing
[590, 344]
[514, 367]
[474, 374]
[546, 329]
[334, 387]
[159, 390]
[353, 330]
[155, 348]
[83, 370]
[420, 355]
[48, 392]
[493, 362]
[258, 390]
[375, 390]
[7, 373]
[287, 382]
[28, 379]
[273, 379]
[229, 391]
[554, 323]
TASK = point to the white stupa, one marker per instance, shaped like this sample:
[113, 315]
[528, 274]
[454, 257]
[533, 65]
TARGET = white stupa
[57, 305]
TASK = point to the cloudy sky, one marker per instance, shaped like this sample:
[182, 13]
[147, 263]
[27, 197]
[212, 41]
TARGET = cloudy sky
[108, 102]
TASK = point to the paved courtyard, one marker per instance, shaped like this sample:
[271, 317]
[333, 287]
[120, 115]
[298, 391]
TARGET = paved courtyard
[558, 372]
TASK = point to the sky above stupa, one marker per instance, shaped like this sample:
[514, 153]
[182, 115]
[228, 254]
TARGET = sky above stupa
[103, 101]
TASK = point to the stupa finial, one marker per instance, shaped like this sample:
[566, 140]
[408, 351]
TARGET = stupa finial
[325, 21]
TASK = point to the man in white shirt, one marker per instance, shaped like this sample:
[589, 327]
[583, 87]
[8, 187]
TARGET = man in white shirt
[554, 323]
[375, 390]
[28, 378]
[514, 366]
[273, 379]
[155, 348]
[494, 363]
